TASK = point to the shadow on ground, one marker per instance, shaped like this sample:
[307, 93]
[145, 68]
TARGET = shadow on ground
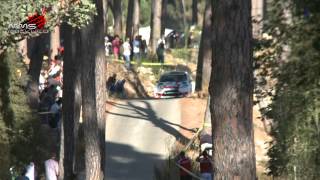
[125, 160]
[149, 114]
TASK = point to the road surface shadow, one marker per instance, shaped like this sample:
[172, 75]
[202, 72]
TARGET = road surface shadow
[123, 162]
[150, 115]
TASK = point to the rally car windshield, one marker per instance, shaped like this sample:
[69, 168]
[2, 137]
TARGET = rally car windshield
[173, 78]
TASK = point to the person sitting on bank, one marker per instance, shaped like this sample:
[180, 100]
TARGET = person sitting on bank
[205, 166]
[185, 162]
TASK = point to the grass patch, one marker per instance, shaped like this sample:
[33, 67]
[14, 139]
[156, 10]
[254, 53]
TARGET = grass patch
[182, 53]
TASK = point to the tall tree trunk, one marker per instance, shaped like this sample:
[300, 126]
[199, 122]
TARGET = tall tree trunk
[156, 24]
[207, 117]
[105, 16]
[205, 51]
[117, 14]
[136, 18]
[231, 90]
[93, 95]
[130, 19]
[163, 15]
[36, 56]
[71, 99]
[194, 12]
[54, 41]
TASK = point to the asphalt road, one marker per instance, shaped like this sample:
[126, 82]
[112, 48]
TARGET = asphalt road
[139, 136]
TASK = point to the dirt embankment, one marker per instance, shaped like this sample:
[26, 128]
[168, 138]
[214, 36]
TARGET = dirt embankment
[136, 86]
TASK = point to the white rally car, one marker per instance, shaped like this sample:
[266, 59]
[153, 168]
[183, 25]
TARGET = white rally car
[173, 84]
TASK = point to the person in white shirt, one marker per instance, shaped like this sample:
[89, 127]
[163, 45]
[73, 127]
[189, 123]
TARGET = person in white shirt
[30, 171]
[42, 81]
[51, 168]
[127, 52]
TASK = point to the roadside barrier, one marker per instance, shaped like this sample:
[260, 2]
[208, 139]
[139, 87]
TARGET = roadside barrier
[145, 63]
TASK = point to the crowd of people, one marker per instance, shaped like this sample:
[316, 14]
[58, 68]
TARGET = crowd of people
[205, 166]
[50, 105]
[131, 49]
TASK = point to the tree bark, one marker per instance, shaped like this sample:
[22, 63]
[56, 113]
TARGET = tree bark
[129, 24]
[231, 90]
[136, 18]
[105, 16]
[117, 14]
[71, 99]
[205, 51]
[93, 95]
[54, 41]
[156, 24]
[36, 56]
[163, 15]
[194, 12]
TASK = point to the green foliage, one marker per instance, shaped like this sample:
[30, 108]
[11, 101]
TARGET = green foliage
[291, 59]
[21, 139]
[145, 12]
[80, 14]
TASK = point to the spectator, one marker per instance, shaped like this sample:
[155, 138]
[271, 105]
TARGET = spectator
[30, 173]
[42, 80]
[51, 168]
[23, 175]
[55, 110]
[111, 82]
[205, 166]
[116, 46]
[127, 52]
[144, 48]
[185, 162]
[160, 52]
[107, 45]
[136, 49]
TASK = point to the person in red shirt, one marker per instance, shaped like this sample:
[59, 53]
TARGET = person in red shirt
[116, 44]
[185, 162]
[205, 166]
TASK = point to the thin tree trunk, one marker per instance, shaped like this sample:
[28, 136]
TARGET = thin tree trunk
[207, 117]
[105, 16]
[71, 105]
[78, 160]
[117, 14]
[163, 15]
[205, 51]
[54, 41]
[136, 18]
[231, 90]
[93, 95]
[89, 109]
[129, 25]
[194, 12]
[36, 56]
[156, 25]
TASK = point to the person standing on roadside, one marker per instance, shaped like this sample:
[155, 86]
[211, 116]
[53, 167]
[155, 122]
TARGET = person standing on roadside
[136, 49]
[116, 46]
[205, 166]
[160, 52]
[52, 168]
[185, 162]
[127, 52]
